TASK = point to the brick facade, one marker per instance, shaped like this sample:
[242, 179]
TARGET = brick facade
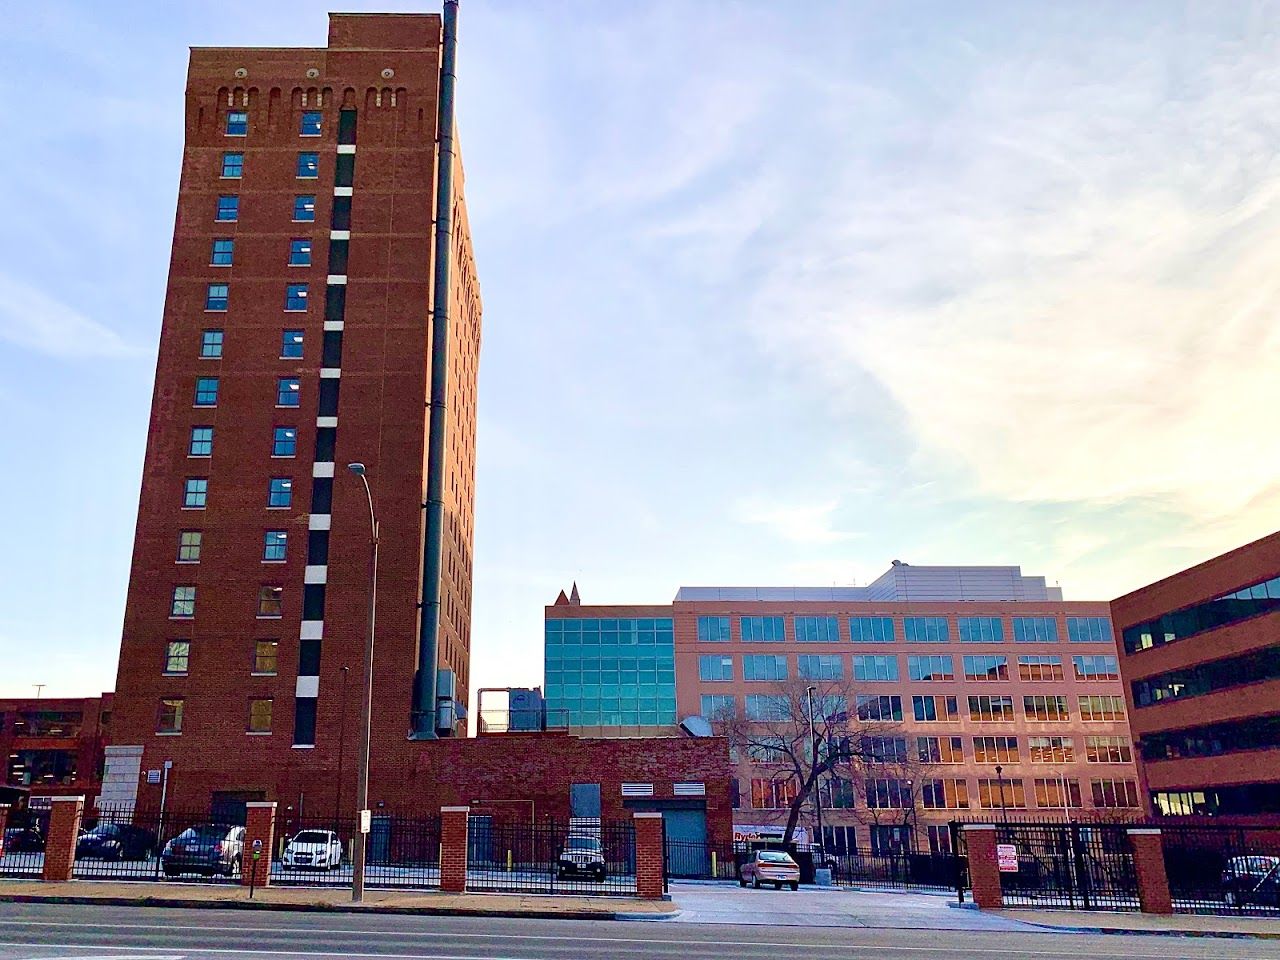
[984, 870]
[650, 862]
[1153, 876]
[260, 824]
[453, 848]
[53, 746]
[60, 842]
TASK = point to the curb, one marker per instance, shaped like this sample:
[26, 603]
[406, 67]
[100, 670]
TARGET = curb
[1147, 932]
[650, 917]
[183, 904]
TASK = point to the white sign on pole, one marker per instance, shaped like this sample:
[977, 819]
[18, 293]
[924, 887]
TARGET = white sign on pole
[1007, 857]
[366, 819]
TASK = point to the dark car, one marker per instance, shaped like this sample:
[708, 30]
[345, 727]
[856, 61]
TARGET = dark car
[23, 840]
[206, 848]
[582, 856]
[1251, 879]
[115, 841]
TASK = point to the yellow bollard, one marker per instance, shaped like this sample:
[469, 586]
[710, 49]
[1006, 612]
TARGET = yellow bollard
[508, 861]
[714, 874]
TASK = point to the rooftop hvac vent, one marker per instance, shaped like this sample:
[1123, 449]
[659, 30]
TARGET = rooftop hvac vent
[637, 789]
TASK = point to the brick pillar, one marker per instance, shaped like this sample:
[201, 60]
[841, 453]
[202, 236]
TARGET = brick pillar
[64, 831]
[1153, 878]
[649, 856]
[4, 822]
[984, 872]
[260, 824]
[453, 849]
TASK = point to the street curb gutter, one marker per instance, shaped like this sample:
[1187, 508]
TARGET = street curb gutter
[1140, 932]
[327, 908]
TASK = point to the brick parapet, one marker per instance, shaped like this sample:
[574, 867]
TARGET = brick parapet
[1153, 875]
[453, 848]
[260, 824]
[60, 845]
[984, 871]
[649, 856]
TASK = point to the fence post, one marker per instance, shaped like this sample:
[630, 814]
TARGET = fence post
[453, 848]
[4, 822]
[1148, 864]
[984, 871]
[64, 831]
[260, 824]
[650, 858]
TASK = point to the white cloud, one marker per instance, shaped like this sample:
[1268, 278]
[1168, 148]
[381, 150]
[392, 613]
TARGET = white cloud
[32, 319]
[795, 522]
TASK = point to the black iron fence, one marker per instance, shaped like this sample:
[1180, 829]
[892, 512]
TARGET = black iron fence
[1078, 866]
[559, 857]
[1223, 869]
[23, 847]
[152, 845]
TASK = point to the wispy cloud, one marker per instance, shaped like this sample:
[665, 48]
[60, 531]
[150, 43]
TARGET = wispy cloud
[795, 522]
[36, 321]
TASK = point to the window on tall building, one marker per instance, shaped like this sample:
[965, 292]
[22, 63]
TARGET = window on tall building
[934, 709]
[1101, 708]
[1099, 667]
[1046, 708]
[718, 706]
[770, 794]
[874, 667]
[887, 793]
[288, 392]
[1108, 750]
[275, 544]
[871, 629]
[295, 297]
[1089, 630]
[944, 794]
[1035, 630]
[232, 166]
[300, 252]
[284, 442]
[223, 252]
[880, 708]
[206, 392]
[766, 629]
[764, 667]
[291, 345]
[215, 297]
[1006, 793]
[821, 666]
[308, 166]
[260, 716]
[995, 749]
[264, 657]
[1114, 793]
[280, 492]
[764, 707]
[177, 657]
[183, 605]
[926, 629]
[817, 629]
[889, 840]
[237, 123]
[883, 749]
[304, 208]
[713, 667]
[1051, 749]
[986, 668]
[940, 749]
[189, 542]
[228, 208]
[1040, 667]
[1054, 793]
[981, 630]
[201, 443]
[991, 709]
[837, 793]
[195, 492]
[310, 124]
[713, 629]
[211, 344]
[270, 601]
[928, 668]
[169, 716]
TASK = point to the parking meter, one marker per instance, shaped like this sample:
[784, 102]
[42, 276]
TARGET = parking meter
[253, 875]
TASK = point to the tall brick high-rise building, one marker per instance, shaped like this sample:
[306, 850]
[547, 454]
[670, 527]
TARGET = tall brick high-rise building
[304, 289]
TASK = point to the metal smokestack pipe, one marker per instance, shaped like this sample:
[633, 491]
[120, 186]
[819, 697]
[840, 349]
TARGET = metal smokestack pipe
[423, 718]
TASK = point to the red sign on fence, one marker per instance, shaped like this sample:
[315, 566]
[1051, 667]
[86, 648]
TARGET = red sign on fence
[1007, 857]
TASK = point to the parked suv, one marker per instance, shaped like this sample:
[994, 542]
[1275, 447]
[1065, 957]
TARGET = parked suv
[319, 849]
[115, 841]
[206, 848]
[582, 856]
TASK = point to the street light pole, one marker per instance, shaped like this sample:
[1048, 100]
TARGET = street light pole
[817, 783]
[362, 785]
[1000, 778]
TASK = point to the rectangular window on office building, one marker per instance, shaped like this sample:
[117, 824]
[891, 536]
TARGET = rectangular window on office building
[183, 606]
[986, 668]
[995, 793]
[228, 210]
[300, 252]
[288, 392]
[980, 630]
[713, 629]
[879, 708]
[884, 749]
[270, 602]
[1035, 630]
[821, 666]
[875, 668]
[260, 716]
[308, 166]
[237, 123]
[201, 443]
[995, 749]
[223, 252]
[986, 709]
[1099, 667]
[926, 629]
[762, 629]
[295, 297]
[1051, 749]
[215, 297]
[284, 442]
[1107, 750]
[940, 749]
[934, 709]
[817, 629]
[763, 707]
[291, 345]
[1089, 630]
[1101, 709]
[713, 667]
[773, 794]
[871, 630]
[264, 657]
[1109, 794]
[195, 493]
[310, 124]
[1046, 709]
[189, 542]
[169, 715]
[177, 657]
[304, 209]
[944, 794]
[232, 166]
[206, 392]
[1040, 667]
[718, 706]
[280, 492]
[1053, 793]
[211, 344]
[274, 546]
[930, 668]
[764, 667]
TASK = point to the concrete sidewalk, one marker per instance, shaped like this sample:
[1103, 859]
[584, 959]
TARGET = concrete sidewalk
[338, 900]
[1178, 924]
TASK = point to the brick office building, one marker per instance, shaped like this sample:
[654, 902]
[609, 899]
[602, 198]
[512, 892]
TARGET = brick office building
[296, 337]
[1200, 657]
[54, 746]
[976, 667]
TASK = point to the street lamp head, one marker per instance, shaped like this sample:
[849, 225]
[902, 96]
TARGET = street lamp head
[356, 468]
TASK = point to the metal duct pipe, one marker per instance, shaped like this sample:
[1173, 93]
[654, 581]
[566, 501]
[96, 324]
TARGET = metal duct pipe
[423, 717]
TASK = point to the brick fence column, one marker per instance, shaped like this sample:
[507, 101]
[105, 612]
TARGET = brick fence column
[4, 822]
[1153, 877]
[453, 849]
[984, 871]
[259, 824]
[64, 831]
[649, 856]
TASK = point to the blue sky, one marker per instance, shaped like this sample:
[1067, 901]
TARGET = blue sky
[774, 293]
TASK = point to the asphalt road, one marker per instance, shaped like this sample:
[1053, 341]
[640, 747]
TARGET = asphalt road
[40, 931]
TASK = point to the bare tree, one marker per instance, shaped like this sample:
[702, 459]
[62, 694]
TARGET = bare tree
[778, 728]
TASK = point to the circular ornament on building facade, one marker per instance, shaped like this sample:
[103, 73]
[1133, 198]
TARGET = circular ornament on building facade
[312, 73]
[241, 72]
[388, 73]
